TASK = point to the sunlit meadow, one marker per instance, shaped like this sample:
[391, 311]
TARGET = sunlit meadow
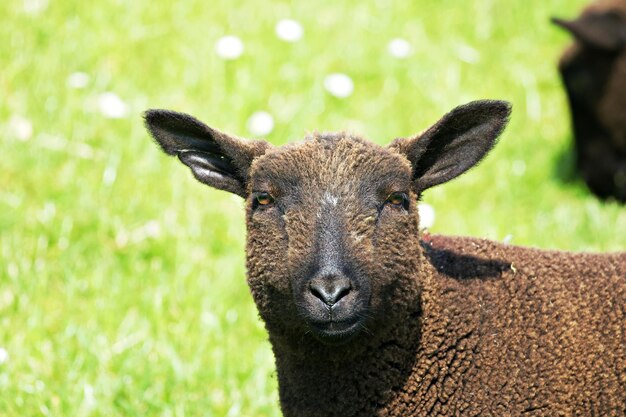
[122, 285]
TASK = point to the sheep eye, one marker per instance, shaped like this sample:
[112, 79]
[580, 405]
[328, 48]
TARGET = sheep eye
[398, 199]
[264, 199]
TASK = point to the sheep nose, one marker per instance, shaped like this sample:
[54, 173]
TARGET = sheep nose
[330, 289]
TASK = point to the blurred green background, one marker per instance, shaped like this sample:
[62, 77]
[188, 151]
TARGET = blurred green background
[122, 289]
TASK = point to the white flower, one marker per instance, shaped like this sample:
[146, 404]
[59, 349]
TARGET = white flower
[399, 48]
[232, 316]
[427, 215]
[89, 398]
[4, 355]
[467, 54]
[78, 80]
[289, 30]
[21, 127]
[109, 175]
[35, 6]
[260, 123]
[518, 167]
[150, 229]
[339, 85]
[229, 47]
[209, 319]
[112, 106]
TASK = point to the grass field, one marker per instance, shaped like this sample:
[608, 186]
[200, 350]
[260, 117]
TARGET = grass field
[122, 289]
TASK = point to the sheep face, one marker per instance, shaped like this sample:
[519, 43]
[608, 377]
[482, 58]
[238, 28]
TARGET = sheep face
[333, 250]
[331, 226]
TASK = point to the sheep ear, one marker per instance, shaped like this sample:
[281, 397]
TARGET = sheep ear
[215, 158]
[602, 31]
[455, 143]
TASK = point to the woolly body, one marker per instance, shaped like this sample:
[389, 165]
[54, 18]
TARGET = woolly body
[367, 317]
[594, 74]
[498, 330]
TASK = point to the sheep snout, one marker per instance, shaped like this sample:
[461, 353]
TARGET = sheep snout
[333, 306]
[330, 289]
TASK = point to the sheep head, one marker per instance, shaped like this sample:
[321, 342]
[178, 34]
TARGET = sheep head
[333, 248]
[594, 68]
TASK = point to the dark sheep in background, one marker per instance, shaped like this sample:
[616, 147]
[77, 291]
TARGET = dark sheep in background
[368, 317]
[594, 73]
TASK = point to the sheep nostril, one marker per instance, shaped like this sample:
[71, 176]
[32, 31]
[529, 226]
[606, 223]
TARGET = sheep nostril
[330, 290]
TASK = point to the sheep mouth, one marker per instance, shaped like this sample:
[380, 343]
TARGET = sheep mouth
[336, 332]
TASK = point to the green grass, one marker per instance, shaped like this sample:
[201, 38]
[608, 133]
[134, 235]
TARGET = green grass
[122, 289]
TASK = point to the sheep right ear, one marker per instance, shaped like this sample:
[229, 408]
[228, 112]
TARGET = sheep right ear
[601, 31]
[455, 143]
[215, 158]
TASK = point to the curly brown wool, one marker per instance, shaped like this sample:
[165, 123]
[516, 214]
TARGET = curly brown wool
[368, 317]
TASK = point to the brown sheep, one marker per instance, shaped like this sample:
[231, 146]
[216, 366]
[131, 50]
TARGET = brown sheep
[369, 317]
[594, 73]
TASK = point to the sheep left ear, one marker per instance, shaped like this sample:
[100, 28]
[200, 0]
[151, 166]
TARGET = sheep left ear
[601, 31]
[455, 143]
[219, 160]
